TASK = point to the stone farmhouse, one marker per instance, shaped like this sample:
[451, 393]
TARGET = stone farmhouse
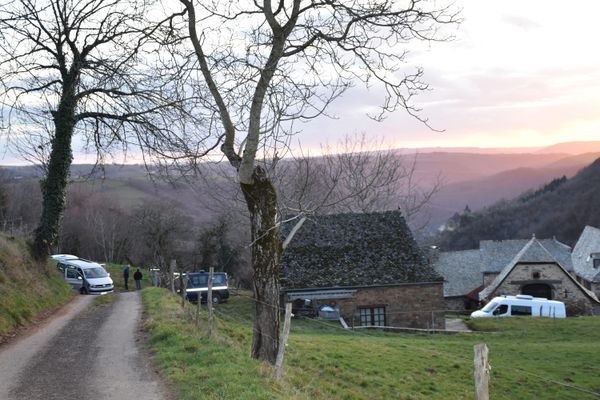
[366, 266]
[586, 259]
[541, 268]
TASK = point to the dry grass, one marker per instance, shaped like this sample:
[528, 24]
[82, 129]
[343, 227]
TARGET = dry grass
[27, 288]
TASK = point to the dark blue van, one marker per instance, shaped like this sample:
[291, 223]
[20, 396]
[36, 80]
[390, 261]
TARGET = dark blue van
[197, 282]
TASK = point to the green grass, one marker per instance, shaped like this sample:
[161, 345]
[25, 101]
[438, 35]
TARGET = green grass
[198, 367]
[325, 362]
[27, 289]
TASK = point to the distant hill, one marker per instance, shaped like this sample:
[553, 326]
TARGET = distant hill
[561, 208]
[478, 180]
[572, 148]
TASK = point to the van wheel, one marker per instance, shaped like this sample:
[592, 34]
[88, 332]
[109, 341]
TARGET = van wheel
[216, 299]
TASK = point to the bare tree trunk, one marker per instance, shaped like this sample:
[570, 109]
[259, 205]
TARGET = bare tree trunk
[54, 187]
[266, 252]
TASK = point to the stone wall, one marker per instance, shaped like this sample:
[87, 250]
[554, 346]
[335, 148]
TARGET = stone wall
[596, 289]
[409, 306]
[563, 288]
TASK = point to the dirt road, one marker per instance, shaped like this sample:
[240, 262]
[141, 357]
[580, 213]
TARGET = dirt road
[90, 351]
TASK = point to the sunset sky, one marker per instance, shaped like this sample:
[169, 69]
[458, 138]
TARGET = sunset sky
[519, 73]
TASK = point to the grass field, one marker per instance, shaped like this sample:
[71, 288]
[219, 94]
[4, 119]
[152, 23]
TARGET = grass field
[529, 358]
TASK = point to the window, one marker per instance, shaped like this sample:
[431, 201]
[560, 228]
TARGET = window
[536, 275]
[501, 310]
[520, 310]
[72, 274]
[596, 262]
[372, 316]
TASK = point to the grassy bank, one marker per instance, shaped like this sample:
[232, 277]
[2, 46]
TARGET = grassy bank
[530, 358]
[27, 289]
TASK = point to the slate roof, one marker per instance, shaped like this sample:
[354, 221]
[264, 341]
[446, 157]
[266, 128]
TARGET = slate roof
[354, 250]
[495, 254]
[532, 252]
[461, 271]
[583, 264]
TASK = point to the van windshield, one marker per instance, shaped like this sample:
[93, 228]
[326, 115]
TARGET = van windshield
[489, 307]
[92, 273]
[201, 280]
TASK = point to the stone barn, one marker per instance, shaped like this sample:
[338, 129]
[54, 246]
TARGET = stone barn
[367, 267]
[535, 271]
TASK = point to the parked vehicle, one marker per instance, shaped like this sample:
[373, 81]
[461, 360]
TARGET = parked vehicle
[85, 276]
[197, 282]
[521, 305]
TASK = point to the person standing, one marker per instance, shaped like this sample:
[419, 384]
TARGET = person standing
[137, 276]
[126, 276]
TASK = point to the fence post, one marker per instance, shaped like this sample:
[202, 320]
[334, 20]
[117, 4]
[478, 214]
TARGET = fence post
[183, 288]
[278, 372]
[482, 372]
[197, 319]
[171, 275]
[209, 304]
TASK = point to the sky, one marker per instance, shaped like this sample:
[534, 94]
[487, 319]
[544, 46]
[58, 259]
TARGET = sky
[519, 73]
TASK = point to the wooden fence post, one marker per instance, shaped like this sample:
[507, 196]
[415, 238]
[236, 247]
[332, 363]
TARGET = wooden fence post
[209, 304]
[171, 275]
[183, 288]
[482, 372]
[278, 372]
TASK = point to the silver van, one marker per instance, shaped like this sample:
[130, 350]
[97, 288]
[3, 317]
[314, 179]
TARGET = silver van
[85, 276]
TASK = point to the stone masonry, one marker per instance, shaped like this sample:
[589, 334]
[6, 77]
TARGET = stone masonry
[563, 287]
[406, 306]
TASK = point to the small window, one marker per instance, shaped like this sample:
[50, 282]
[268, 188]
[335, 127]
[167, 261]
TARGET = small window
[199, 280]
[536, 275]
[596, 262]
[374, 316]
[501, 310]
[72, 274]
[520, 310]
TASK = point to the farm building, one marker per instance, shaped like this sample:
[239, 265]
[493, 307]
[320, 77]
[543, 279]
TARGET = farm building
[534, 271]
[541, 268]
[586, 259]
[367, 267]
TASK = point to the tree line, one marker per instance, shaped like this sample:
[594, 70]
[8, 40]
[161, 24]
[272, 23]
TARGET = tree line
[181, 81]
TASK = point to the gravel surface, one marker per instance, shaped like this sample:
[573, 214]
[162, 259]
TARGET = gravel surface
[89, 352]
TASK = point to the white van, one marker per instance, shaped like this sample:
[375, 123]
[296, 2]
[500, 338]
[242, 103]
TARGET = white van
[83, 275]
[521, 305]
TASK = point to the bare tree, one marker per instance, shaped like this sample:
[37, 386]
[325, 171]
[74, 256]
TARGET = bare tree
[76, 66]
[357, 175]
[266, 64]
[156, 234]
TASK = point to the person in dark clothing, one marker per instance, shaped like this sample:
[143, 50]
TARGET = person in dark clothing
[126, 277]
[137, 276]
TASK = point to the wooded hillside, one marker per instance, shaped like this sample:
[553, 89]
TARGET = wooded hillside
[561, 208]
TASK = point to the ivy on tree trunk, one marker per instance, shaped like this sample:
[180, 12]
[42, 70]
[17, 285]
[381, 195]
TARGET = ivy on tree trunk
[54, 186]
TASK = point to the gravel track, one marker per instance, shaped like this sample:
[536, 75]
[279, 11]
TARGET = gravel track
[89, 352]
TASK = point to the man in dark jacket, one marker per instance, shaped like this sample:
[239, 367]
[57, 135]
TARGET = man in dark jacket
[126, 276]
[137, 276]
